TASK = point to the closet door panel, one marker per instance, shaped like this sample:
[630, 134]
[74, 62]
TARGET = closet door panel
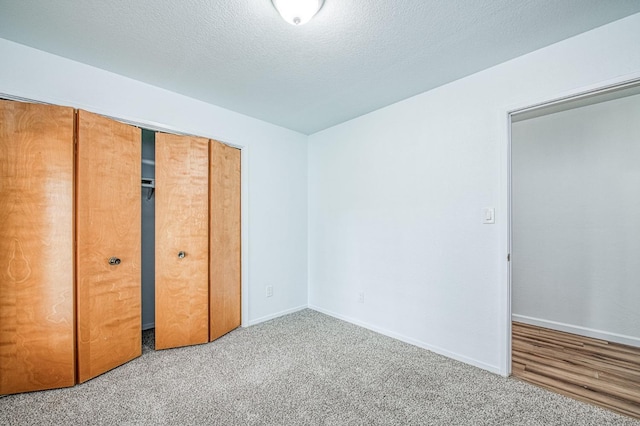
[108, 226]
[225, 273]
[182, 212]
[36, 247]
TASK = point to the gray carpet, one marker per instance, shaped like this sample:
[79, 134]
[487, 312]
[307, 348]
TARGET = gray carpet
[302, 369]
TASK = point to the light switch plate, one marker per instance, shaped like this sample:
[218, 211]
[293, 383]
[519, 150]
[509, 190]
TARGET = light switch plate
[489, 215]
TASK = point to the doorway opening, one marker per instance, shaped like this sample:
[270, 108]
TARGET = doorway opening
[574, 243]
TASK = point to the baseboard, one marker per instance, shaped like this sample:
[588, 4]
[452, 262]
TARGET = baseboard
[273, 316]
[148, 325]
[411, 341]
[575, 329]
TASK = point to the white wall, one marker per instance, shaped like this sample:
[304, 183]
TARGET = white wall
[274, 159]
[576, 220]
[395, 199]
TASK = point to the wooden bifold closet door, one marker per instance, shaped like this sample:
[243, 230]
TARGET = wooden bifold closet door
[182, 240]
[108, 244]
[225, 273]
[197, 240]
[68, 315]
[36, 247]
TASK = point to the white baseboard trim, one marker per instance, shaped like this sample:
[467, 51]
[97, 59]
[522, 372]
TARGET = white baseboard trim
[148, 325]
[576, 329]
[411, 341]
[273, 316]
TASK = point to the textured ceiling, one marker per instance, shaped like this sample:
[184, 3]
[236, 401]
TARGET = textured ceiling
[354, 57]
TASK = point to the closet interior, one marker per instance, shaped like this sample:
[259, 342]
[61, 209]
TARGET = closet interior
[108, 230]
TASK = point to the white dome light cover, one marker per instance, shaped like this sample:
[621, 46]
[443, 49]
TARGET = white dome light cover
[297, 12]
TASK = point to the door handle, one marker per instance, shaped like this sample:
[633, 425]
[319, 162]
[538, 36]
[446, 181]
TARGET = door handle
[181, 254]
[114, 261]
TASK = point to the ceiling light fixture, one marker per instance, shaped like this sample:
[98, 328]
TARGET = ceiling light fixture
[297, 12]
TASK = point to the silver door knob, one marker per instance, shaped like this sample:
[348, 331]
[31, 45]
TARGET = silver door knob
[181, 254]
[114, 261]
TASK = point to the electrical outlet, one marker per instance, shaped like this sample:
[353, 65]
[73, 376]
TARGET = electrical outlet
[269, 290]
[361, 297]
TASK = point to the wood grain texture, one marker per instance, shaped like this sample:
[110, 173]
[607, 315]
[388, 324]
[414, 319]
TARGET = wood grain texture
[108, 224]
[592, 370]
[182, 211]
[224, 270]
[36, 247]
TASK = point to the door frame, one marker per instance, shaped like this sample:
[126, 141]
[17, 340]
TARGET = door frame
[244, 186]
[506, 195]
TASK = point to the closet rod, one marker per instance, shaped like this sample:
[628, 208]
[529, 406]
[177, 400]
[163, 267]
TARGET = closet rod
[149, 162]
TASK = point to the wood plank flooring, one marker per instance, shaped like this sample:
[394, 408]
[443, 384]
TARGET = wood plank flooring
[591, 370]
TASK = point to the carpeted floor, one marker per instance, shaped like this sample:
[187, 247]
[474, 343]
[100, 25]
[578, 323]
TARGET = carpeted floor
[302, 369]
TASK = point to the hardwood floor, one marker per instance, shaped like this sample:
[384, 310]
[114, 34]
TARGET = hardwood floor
[591, 370]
